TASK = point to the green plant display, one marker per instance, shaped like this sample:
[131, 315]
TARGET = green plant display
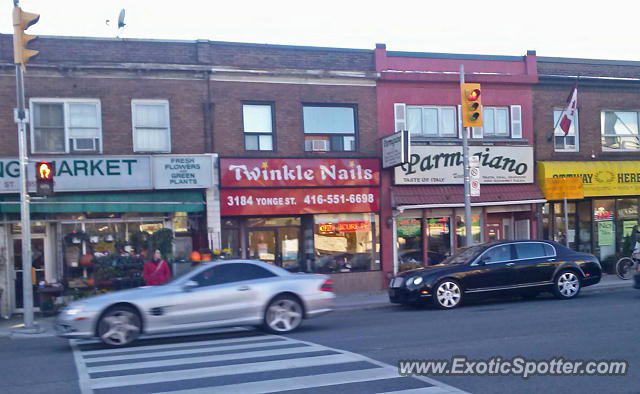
[163, 240]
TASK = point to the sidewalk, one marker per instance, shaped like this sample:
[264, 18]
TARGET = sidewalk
[364, 300]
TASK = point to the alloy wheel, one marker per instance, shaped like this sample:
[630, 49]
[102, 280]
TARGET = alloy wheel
[568, 284]
[448, 294]
[283, 315]
[119, 327]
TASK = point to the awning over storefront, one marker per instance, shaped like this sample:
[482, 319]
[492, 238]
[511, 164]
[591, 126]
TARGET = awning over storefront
[408, 197]
[599, 178]
[158, 201]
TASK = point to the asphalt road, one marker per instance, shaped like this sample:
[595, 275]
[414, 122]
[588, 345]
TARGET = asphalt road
[603, 325]
[597, 326]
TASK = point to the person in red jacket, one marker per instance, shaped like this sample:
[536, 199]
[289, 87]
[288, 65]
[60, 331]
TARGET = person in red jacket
[156, 271]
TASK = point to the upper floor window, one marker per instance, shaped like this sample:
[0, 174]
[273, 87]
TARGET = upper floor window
[562, 142]
[619, 130]
[65, 125]
[329, 127]
[151, 130]
[257, 123]
[431, 121]
[444, 121]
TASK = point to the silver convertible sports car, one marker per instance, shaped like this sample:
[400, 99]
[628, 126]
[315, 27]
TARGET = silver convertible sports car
[216, 294]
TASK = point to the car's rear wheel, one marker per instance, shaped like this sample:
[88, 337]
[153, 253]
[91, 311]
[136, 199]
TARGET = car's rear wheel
[448, 294]
[119, 326]
[567, 285]
[283, 315]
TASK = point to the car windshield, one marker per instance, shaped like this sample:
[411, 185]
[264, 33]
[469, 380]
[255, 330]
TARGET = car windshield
[463, 255]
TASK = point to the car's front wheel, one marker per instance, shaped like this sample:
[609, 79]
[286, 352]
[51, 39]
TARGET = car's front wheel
[448, 294]
[119, 326]
[283, 315]
[567, 285]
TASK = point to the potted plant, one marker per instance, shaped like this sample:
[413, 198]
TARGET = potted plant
[163, 240]
[140, 241]
[76, 237]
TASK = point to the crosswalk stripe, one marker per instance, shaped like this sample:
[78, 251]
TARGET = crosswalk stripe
[131, 357]
[204, 359]
[299, 383]
[422, 390]
[197, 373]
[265, 338]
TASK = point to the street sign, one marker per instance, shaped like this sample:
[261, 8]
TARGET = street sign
[563, 187]
[395, 149]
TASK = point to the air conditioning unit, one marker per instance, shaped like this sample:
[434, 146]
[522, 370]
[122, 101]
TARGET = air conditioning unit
[317, 145]
[84, 144]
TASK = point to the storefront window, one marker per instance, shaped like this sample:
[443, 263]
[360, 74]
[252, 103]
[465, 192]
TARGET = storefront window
[106, 254]
[273, 222]
[584, 226]
[409, 244]
[604, 231]
[346, 242]
[438, 236]
[626, 218]
[476, 230]
[231, 237]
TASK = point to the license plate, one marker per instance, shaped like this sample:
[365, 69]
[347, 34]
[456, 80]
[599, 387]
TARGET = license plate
[396, 282]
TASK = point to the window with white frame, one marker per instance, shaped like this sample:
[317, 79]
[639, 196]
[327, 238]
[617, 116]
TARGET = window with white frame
[151, 129]
[562, 142]
[257, 123]
[445, 121]
[65, 125]
[620, 130]
[329, 127]
[431, 121]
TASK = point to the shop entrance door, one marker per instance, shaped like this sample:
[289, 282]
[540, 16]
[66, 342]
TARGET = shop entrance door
[38, 268]
[279, 246]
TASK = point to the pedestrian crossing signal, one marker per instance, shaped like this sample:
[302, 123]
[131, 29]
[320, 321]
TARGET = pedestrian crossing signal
[44, 179]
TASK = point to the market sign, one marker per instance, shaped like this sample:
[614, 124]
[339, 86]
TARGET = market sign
[98, 173]
[395, 149]
[182, 172]
[563, 187]
[286, 172]
[281, 201]
[599, 178]
[443, 165]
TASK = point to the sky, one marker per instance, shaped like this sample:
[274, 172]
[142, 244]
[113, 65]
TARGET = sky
[560, 28]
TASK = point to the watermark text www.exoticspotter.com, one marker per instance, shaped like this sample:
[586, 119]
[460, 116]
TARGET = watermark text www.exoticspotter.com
[517, 366]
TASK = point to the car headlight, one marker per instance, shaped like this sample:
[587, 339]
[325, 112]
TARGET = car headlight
[414, 281]
[74, 309]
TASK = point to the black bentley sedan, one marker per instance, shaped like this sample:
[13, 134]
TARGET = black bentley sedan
[527, 266]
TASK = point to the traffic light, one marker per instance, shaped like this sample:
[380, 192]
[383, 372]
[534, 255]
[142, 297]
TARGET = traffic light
[21, 22]
[44, 178]
[471, 105]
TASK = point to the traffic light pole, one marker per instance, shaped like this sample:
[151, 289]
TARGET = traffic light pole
[25, 229]
[465, 163]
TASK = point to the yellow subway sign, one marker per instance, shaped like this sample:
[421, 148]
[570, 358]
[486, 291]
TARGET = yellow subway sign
[599, 178]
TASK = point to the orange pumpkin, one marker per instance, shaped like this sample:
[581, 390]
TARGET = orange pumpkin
[206, 257]
[91, 282]
[85, 260]
[195, 256]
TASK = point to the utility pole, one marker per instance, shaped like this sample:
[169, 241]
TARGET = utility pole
[21, 21]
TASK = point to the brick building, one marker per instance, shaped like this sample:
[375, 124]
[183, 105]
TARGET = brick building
[134, 127]
[420, 92]
[601, 148]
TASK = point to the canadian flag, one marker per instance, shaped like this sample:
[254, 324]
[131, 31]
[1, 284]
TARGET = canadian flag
[566, 117]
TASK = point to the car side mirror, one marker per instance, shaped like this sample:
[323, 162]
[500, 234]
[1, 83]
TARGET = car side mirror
[189, 285]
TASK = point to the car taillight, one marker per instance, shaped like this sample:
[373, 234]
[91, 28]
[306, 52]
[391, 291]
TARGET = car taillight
[327, 285]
